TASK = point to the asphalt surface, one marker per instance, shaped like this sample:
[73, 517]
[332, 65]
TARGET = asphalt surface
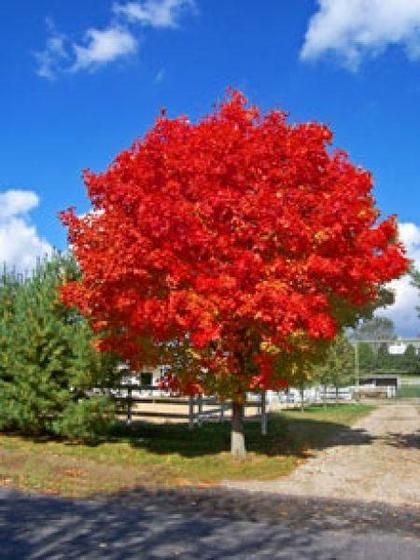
[206, 524]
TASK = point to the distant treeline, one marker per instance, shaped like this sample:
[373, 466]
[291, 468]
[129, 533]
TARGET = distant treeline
[379, 360]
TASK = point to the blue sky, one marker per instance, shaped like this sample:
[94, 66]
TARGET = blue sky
[81, 80]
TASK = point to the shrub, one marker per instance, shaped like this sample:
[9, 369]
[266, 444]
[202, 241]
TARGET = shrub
[86, 419]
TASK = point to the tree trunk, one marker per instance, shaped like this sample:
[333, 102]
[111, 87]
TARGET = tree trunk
[325, 397]
[336, 395]
[237, 442]
[302, 399]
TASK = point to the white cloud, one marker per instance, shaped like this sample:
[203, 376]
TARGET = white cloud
[403, 311]
[154, 13]
[50, 59]
[20, 243]
[103, 46]
[99, 47]
[54, 55]
[353, 29]
[17, 202]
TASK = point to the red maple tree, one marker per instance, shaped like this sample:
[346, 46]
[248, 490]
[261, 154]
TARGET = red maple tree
[229, 249]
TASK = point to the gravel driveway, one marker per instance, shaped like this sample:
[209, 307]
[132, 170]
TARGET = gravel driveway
[377, 460]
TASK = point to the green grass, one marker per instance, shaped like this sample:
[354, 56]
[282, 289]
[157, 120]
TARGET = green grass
[169, 455]
[408, 392]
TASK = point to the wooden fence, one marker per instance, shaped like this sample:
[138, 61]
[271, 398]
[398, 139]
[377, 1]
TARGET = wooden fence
[199, 408]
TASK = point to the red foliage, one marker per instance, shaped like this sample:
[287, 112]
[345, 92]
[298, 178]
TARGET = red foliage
[228, 235]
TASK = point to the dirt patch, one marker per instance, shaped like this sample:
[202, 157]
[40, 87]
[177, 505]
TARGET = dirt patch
[164, 412]
[382, 466]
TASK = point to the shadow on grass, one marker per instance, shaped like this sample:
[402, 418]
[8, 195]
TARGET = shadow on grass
[289, 434]
[286, 436]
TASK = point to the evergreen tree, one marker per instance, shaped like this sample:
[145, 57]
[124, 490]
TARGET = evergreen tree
[8, 288]
[48, 363]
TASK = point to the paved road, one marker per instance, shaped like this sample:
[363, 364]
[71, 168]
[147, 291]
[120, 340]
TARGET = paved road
[206, 525]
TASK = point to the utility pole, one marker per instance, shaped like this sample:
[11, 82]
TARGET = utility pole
[356, 363]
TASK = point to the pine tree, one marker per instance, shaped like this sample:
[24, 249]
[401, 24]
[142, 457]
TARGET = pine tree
[8, 288]
[48, 363]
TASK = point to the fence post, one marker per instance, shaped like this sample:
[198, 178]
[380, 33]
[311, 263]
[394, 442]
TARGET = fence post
[200, 409]
[129, 403]
[263, 414]
[191, 413]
